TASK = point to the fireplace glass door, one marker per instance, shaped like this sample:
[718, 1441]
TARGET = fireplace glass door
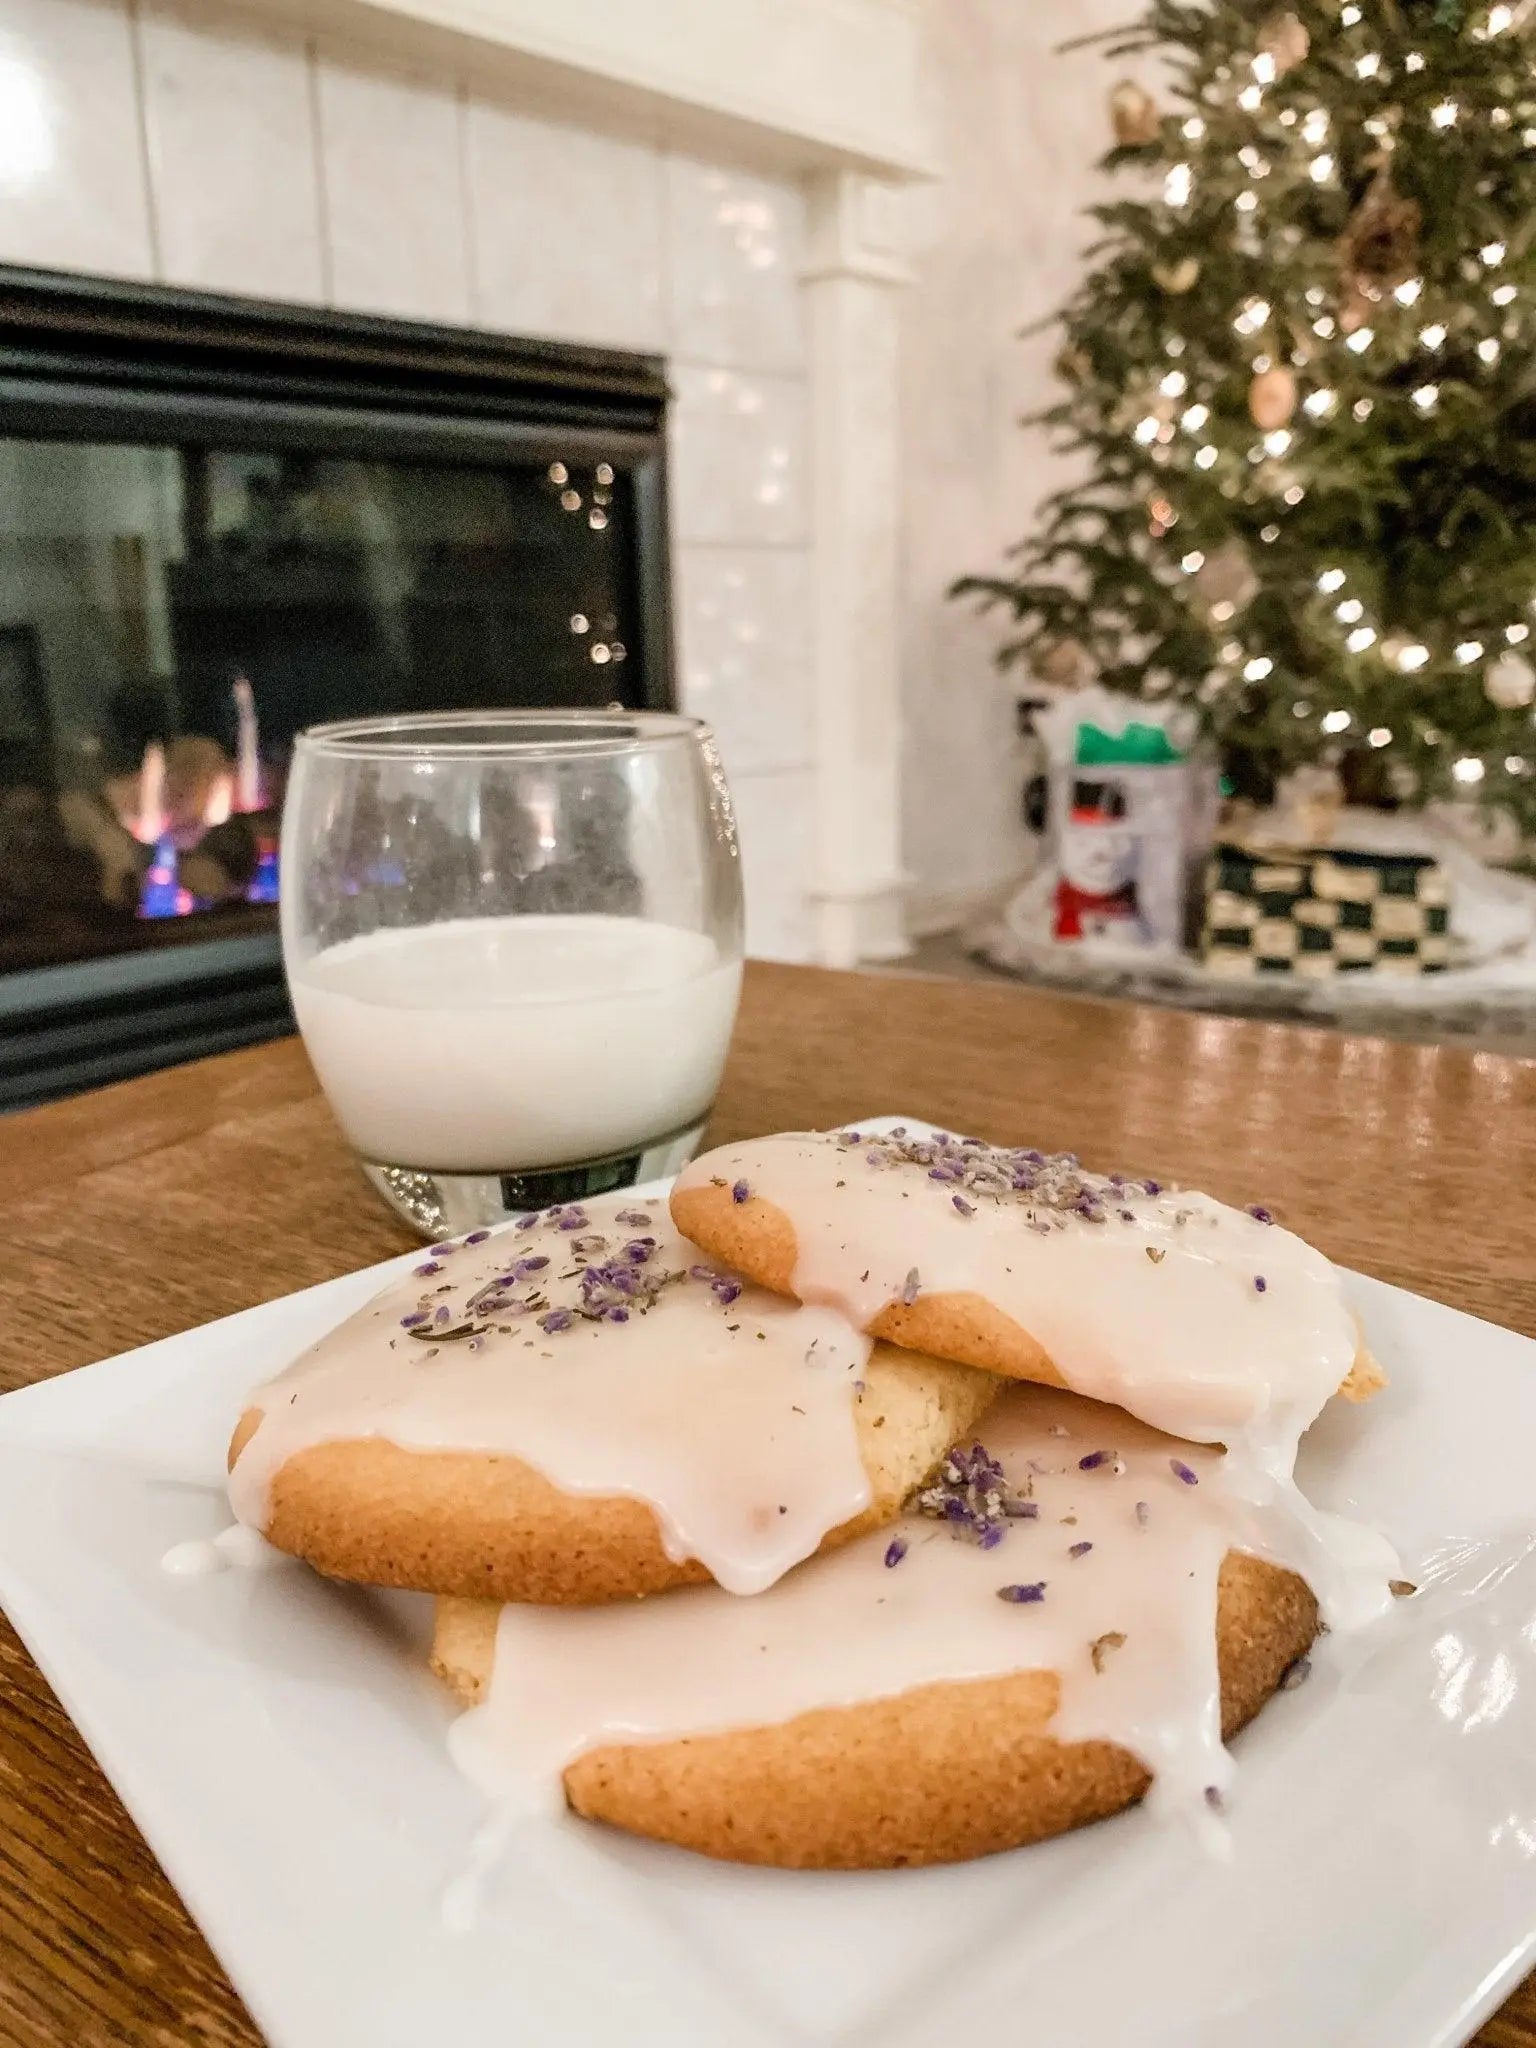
[171, 615]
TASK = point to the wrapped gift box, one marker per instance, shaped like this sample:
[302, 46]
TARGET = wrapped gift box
[1319, 911]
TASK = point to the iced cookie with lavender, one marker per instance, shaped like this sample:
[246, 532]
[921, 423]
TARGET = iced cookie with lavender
[1209, 1322]
[1075, 1608]
[581, 1408]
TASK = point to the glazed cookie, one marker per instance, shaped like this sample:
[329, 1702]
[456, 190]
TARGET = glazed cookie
[1206, 1321]
[928, 1694]
[581, 1409]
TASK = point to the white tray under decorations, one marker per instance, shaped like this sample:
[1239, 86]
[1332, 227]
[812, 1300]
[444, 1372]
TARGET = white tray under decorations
[282, 1746]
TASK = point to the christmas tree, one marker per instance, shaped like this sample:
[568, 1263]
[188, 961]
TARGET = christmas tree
[1300, 381]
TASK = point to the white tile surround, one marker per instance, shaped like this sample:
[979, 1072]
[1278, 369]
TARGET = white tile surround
[233, 150]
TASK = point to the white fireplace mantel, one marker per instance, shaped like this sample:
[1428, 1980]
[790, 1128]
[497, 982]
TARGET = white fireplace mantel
[831, 91]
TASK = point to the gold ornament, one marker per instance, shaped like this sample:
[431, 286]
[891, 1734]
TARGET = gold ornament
[1510, 682]
[1073, 364]
[1285, 39]
[1272, 398]
[1060, 662]
[1133, 113]
[1175, 278]
[1226, 576]
[1379, 248]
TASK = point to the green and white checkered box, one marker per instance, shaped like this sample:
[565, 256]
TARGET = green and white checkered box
[1319, 911]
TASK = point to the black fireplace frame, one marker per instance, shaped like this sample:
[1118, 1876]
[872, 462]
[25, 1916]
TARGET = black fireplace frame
[89, 358]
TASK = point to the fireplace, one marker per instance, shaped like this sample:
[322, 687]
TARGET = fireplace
[220, 522]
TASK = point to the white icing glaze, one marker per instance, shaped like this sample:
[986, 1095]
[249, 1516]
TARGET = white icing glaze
[732, 1418]
[1156, 1307]
[846, 1627]
[238, 1546]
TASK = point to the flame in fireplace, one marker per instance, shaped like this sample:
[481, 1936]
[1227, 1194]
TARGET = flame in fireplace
[237, 792]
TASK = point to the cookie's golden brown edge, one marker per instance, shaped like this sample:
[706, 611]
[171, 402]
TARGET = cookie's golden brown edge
[486, 1527]
[936, 1775]
[756, 1238]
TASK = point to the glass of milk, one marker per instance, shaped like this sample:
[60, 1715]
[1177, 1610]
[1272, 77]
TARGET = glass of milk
[513, 943]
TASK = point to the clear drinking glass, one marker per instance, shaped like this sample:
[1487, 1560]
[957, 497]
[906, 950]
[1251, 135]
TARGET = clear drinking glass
[513, 943]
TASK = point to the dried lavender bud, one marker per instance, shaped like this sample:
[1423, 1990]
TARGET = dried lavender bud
[417, 1315]
[557, 1319]
[477, 1237]
[526, 1223]
[1259, 1213]
[1022, 1596]
[1094, 1460]
[704, 1273]
[1079, 1549]
[1214, 1799]
[1259, 1283]
[964, 1207]
[431, 1266]
[1143, 1514]
[1181, 1471]
[740, 1191]
[895, 1551]
[632, 1219]
[909, 1289]
[444, 1314]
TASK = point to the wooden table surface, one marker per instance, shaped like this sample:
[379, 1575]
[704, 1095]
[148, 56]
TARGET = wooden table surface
[194, 1193]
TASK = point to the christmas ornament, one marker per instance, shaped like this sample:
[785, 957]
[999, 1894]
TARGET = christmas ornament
[1175, 278]
[1073, 365]
[1285, 39]
[1226, 576]
[1059, 662]
[1134, 115]
[1272, 399]
[1510, 682]
[1379, 248]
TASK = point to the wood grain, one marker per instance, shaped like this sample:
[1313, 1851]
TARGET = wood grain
[217, 1186]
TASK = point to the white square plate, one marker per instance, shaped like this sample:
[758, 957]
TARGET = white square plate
[281, 1745]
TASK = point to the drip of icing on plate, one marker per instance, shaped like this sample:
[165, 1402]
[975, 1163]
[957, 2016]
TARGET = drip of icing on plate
[1207, 1322]
[236, 1547]
[593, 1343]
[1106, 1573]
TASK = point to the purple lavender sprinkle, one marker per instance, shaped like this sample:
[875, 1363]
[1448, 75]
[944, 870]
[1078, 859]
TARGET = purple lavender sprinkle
[1022, 1596]
[431, 1266]
[444, 1314]
[703, 1273]
[956, 1511]
[527, 1222]
[909, 1289]
[411, 1321]
[1181, 1471]
[1259, 1283]
[617, 1315]
[1214, 1799]
[1259, 1213]
[633, 1219]
[991, 1536]
[573, 1221]
[740, 1191]
[557, 1319]
[1022, 1510]
[636, 1253]
[895, 1551]
[1079, 1549]
[726, 1291]
[440, 1251]
[477, 1237]
[1093, 1461]
[1143, 1514]
[962, 1206]
[533, 1264]
[1153, 1187]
